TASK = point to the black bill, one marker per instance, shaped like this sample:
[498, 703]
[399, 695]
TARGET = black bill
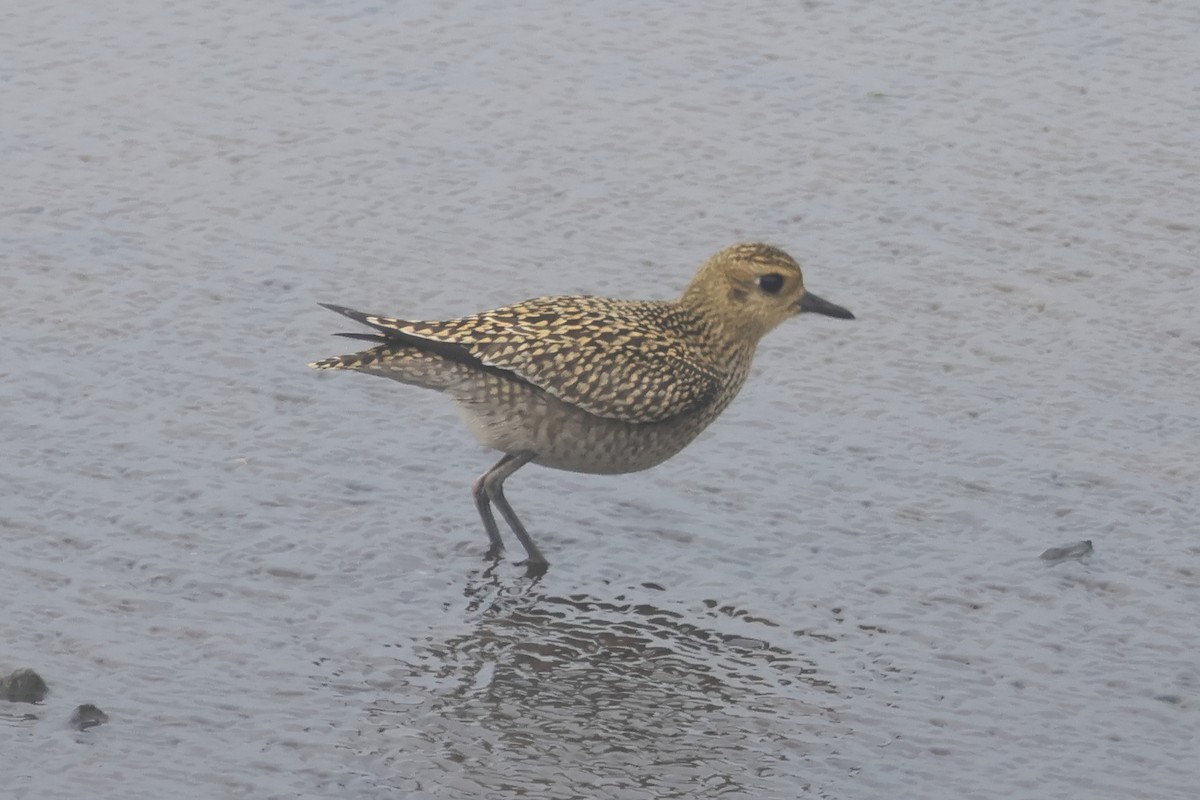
[810, 302]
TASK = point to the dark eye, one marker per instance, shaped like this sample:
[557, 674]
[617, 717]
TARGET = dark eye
[770, 283]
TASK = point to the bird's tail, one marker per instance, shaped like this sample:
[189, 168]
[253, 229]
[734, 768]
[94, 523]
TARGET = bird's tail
[358, 360]
[409, 359]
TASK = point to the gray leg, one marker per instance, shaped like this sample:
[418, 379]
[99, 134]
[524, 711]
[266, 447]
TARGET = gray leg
[493, 484]
[479, 490]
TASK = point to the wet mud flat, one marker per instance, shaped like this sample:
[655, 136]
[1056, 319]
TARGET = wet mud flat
[863, 581]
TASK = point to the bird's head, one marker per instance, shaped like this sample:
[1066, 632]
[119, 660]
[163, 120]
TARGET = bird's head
[753, 287]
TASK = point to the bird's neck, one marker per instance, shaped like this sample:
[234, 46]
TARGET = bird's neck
[728, 347]
[730, 333]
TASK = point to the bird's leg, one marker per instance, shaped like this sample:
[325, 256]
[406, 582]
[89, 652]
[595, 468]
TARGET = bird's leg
[493, 483]
[479, 490]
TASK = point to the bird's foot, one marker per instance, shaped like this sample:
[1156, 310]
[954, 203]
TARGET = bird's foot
[534, 569]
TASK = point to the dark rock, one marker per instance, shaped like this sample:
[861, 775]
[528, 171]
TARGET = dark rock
[87, 716]
[23, 686]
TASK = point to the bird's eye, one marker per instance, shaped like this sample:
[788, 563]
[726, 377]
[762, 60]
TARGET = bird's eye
[770, 283]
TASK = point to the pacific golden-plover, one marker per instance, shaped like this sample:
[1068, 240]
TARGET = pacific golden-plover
[592, 384]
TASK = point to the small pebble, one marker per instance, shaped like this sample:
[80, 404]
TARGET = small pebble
[1077, 550]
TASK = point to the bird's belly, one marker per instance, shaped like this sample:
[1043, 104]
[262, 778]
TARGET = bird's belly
[568, 438]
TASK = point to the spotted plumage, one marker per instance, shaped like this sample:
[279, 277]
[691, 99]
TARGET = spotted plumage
[635, 361]
[592, 384]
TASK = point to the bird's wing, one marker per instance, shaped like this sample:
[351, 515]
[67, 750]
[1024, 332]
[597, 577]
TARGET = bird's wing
[633, 361]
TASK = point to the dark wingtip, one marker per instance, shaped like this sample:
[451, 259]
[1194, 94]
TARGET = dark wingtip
[357, 316]
[345, 312]
[365, 337]
[385, 327]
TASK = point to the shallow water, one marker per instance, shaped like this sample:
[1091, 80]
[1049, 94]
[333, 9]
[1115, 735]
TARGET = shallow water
[271, 580]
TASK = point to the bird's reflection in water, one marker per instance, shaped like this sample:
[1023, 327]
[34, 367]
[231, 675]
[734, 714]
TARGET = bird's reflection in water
[615, 692]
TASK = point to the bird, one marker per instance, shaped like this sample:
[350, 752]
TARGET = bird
[591, 384]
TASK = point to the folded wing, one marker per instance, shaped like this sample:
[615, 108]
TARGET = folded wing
[626, 360]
